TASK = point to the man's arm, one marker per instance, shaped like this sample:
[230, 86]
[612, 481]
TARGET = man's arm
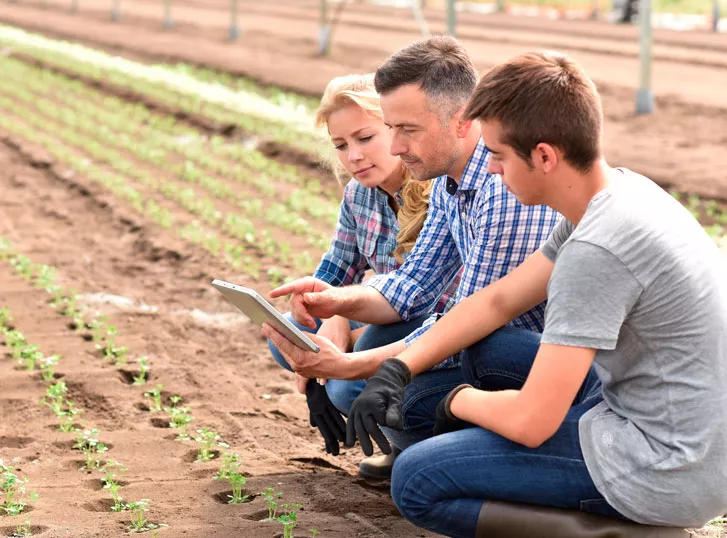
[482, 313]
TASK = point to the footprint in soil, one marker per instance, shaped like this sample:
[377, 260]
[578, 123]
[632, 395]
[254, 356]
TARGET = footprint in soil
[15, 442]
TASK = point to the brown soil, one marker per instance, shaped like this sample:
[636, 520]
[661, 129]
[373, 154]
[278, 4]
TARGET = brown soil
[681, 146]
[198, 347]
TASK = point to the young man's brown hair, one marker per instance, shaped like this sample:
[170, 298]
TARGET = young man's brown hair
[439, 64]
[542, 97]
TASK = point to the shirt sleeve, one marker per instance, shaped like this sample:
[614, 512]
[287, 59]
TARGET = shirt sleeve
[590, 295]
[417, 285]
[561, 232]
[343, 263]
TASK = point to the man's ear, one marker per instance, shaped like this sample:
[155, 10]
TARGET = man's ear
[545, 157]
[463, 126]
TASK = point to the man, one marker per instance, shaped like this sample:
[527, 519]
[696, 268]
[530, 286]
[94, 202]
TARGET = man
[622, 411]
[474, 226]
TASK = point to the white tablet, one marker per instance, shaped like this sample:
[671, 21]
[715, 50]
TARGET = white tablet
[254, 306]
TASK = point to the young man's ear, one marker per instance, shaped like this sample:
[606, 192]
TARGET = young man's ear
[545, 157]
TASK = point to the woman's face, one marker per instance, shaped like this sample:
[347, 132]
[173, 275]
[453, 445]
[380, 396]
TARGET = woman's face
[362, 143]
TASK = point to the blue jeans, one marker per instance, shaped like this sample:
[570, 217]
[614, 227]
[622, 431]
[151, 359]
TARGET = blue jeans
[421, 397]
[441, 483]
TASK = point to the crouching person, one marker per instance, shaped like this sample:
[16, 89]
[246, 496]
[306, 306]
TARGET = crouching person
[615, 424]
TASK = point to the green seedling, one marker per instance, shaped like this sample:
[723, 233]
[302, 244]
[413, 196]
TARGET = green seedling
[272, 496]
[119, 505]
[48, 367]
[45, 276]
[29, 356]
[5, 318]
[23, 529]
[315, 532]
[65, 302]
[289, 519]
[154, 398]
[111, 471]
[143, 370]
[175, 400]
[54, 397]
[179, 418]
[68, 416]
[138, 510]
[115, 353]
[230, 471]
[14, 490]
[88, 443]
[100, 330]
[207, 439]
[15, 340]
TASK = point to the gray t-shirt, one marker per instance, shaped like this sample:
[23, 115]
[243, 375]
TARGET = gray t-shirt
[641, 282]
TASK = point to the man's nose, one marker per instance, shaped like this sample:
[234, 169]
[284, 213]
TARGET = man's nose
[397, 146]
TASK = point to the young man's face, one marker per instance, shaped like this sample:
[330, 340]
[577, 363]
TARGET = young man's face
[426, 148]
[519, 176]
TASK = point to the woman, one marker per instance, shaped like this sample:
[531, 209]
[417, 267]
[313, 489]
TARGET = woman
[382, 212]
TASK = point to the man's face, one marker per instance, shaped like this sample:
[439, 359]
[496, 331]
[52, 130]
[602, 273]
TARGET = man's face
[426, 148]
[520, 177]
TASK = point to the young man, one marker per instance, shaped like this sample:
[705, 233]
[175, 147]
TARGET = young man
[623, 412]
[474, 226]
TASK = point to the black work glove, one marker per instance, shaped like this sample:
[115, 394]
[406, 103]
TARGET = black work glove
[379, 403]
[445, 421]
[325, 416]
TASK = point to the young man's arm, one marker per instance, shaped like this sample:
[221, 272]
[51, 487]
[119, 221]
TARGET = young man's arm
[481, 313]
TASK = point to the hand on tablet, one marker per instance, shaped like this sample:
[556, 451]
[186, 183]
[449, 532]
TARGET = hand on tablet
[310, 298]
[330, 362]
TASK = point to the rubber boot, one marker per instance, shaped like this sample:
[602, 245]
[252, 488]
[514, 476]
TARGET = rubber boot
[378, 467]
[514, 520]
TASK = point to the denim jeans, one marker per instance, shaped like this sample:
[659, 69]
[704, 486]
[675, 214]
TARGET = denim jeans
[421, 396]
[441, 483]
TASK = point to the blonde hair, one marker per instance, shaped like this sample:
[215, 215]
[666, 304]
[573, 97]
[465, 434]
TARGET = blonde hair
[359, 90]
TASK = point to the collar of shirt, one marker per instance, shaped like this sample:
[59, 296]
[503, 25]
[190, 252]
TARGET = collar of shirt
[473, 177]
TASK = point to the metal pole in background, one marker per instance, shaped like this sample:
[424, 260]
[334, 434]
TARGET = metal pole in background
[644, 95]
[115, 12]
[234, 32]
[416, 7]
[451, 18]
[500, 6]
[168, 14]
[324, 30]
[74, 6]
[715, 16]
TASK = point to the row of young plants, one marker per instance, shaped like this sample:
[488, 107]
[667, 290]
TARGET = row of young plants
[287, 121]
[163, 144]
[67, 412]
[215, 154]
[113, 173]
[86, 438]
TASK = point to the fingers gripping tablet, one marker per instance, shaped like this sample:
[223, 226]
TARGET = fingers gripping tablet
[254, 306]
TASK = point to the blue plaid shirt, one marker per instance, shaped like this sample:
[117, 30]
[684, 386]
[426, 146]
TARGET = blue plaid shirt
[482, 229]
[365, 238]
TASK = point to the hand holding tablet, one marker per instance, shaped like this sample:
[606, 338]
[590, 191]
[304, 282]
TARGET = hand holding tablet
[254, 306]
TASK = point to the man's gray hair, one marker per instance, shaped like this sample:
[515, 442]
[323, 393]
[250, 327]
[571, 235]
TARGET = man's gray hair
[441, 67]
